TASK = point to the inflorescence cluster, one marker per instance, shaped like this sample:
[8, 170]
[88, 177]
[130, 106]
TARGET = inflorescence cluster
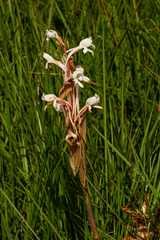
[73, 79]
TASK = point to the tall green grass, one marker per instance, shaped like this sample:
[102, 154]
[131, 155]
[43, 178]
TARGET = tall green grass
[40, 198]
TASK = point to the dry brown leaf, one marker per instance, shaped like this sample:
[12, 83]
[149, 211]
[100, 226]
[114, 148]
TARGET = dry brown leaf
[140, 220]
[128, 238]
[82, 129]
[82, 170]
[74, 158]
[66, 89]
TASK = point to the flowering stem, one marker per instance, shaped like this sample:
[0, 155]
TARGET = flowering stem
[64, 48]
[75, 124]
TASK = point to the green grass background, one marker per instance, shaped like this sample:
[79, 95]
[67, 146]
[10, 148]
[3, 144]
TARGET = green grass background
[40, 198]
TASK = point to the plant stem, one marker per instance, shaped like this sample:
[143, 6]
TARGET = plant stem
[82, 176]
[89, 211]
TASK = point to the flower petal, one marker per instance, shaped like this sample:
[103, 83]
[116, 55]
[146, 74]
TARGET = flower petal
[48, 58]
[79, 68]
[48, 97]
[80, 84]
[86, 79]
[93, 100]
[85, 50]
[87, 42]
[96, 106]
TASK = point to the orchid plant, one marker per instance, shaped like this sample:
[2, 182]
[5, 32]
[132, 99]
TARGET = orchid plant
[75, 124]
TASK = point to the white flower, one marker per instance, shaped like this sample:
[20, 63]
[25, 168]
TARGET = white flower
[51, 34]
[71, 138]
[93, 102]
[84, 44]
[79, 76]
[58, 107]
[49, 97]
[77, 82]
[49, 59]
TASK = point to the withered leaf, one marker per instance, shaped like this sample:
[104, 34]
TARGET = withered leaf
[82, 169]
[66, 89]
[67, 120]
[82, 128]
[74, 158]
[141, 220]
